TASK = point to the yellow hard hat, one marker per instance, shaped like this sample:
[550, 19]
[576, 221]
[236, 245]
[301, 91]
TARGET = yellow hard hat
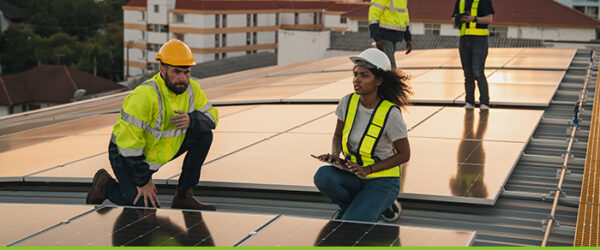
[176, 53]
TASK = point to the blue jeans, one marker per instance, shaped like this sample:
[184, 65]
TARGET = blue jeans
[359, 199]
[124, 191]
[473, 52]
[389, 48]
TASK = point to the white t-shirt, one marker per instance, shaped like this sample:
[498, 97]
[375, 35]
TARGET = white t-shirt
[395, 128]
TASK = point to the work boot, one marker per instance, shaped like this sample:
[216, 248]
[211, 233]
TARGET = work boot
[188, 201]
[95, 195]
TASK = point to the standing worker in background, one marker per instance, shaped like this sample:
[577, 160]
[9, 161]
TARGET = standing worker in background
[388, 24]
[472, 17]
[161, 119]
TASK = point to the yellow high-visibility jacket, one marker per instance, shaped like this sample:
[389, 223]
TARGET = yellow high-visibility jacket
[144, 128]
[390, 14]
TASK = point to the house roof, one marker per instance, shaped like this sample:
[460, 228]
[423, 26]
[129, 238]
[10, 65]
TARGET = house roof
[50, 83]
[512, 12]
[12, 12]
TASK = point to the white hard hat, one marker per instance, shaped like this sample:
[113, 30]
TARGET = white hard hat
[375, 57]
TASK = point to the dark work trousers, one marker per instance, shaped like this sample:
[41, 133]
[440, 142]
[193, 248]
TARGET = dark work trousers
[123, 190]
[473, 52]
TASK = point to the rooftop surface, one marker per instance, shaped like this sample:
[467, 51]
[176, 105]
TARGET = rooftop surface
[490, 174]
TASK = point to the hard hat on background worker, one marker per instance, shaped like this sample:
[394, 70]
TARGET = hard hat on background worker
[176, 53]
[374, 57]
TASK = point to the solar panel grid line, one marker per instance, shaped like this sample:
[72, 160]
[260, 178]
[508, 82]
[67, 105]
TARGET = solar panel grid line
[62, 165]
[258, 230]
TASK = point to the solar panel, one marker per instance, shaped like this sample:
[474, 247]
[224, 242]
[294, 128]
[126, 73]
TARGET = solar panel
[534, 77]
[23, 220]
[464, 171]
[121, 226]
[494, 124]
[294, 231]
[28, 160]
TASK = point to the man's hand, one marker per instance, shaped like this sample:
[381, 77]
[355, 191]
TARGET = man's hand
[408, 47]
[148, 191]
[181, 121]
[379, 44]
[467, 19]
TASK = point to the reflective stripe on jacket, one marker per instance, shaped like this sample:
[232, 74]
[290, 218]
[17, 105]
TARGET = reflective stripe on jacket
[366, 148]
[472, 29]
[390, 14]
[144, 127]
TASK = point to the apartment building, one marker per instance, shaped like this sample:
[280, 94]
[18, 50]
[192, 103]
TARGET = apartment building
[219, 29]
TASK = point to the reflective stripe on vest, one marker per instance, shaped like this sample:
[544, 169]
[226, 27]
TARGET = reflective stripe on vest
[390, 14]
[155, 130]
[366, 149]
[472, 30]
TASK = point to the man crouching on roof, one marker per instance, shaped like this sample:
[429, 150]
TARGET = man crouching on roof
[161, 119]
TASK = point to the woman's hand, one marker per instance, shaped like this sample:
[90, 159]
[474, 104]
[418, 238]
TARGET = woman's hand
[332, 158]
[357, 169]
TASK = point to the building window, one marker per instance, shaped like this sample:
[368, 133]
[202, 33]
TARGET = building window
[143, 35]
[143, 15]
[296, 18]
[179, 36]
[153, 47]
[592, 11]
[276, 37]
[217, 21]
[343, 20]
[315, 16]
[254, 37]
[248, 20]
[276, 19]
[152, 66]
[157, 28]
[320, 17]
[248, 38]
[363, 25]
[224, 21]
[217, 40]
[179, 18]
[224, 40]
[498, 31]
[254, 19]
[223, 55]
[156, 8]
[432, 29]
[217, 56]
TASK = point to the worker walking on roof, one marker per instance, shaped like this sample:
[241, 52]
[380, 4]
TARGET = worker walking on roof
[161, 119]
[472, 18]
[372, 135]
[388, 24]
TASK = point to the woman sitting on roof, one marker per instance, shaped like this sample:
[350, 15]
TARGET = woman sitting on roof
[372, 135]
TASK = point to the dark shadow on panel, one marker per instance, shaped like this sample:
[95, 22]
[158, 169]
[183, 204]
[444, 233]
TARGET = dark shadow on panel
[336, 233]
[143, 227]
[468, 181]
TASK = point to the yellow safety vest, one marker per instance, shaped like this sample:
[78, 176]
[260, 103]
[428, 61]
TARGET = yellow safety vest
[390, 14]
[366, 148]
[144, 127]
[472, 30]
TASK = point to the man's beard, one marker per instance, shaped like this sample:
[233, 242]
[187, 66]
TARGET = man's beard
[177, 88]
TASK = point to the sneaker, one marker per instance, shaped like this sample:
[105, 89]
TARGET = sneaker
[337, 215]
[392, 213]
[484, 107]
[469, 106]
